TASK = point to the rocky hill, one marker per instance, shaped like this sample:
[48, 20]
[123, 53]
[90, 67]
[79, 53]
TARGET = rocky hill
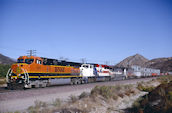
[133, 60]
[5, 60]
[164, 64]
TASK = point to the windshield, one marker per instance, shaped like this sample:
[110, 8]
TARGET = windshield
[20, 61]
[29, 61]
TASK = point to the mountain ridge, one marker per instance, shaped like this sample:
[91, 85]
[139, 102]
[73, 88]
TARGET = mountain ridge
[136, 59]
[163, 63]
[6, 60]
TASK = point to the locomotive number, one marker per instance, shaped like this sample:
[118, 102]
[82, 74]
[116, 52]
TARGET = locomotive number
[59, 69]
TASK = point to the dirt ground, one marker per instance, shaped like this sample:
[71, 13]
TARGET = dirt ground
[20, 100]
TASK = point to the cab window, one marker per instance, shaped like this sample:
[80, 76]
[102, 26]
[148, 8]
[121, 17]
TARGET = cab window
[29, 61]
[20, 61]
[38, 61]
[86, 66]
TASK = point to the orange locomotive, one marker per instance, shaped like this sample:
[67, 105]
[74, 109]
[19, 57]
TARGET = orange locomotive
[32, 71]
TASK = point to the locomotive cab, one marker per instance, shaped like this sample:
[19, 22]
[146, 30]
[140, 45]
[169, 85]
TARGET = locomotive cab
[29, 60]
[24, 64]
[19, 72]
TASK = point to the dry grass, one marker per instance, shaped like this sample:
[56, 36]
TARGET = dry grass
[39, 107]
[57, 102]
[165, 79]
[101, 98]
[145, 87]
[2, 81]
[113, 92]
[73, 99]
[83, 95]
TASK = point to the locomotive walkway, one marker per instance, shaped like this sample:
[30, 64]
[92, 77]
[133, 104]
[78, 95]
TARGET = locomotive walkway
[18, 100]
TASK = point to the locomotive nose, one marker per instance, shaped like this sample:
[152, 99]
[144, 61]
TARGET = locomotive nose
[17, 69]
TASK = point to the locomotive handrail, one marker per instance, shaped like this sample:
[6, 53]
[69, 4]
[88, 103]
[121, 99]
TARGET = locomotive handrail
[26, 76]
[8, 74]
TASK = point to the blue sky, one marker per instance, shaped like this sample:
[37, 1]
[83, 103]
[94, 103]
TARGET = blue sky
[97, 30]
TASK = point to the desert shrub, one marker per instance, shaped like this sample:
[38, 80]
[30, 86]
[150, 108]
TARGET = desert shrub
[37, 107]
[121, 95]
[108, 92]
[127, 93]
[38, 104]
[118, 87]
[73, 99]
[46, 110]
[105, 91]
[112, 92]
[165, 79]
[95, 90]
[145, 88]
[83, 95]
[44, 104]
[32, 109]
[158, 100]
[129, 86]
[115, 97]
[57, 102]
[110, 109]
[170, 95]
[68, 110]
[136, 103]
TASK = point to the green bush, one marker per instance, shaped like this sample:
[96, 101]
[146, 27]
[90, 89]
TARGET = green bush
[3, 70]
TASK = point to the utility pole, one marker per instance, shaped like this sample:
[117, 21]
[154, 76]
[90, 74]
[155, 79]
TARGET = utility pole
[107, 62]
[83, 60]
[31, 53]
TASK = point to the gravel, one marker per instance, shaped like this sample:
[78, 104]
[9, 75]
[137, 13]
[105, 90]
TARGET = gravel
[18, 100]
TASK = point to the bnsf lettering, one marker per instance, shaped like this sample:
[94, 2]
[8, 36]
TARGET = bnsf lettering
[59, 69]
[74, 71]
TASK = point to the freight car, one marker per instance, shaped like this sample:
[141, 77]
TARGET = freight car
[32, 71]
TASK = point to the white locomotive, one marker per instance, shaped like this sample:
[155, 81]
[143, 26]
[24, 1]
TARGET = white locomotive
[93, 73]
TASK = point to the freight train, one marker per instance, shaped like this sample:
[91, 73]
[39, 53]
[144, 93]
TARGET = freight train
[33, 71]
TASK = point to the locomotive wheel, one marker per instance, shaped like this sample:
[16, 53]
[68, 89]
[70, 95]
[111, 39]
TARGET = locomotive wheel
[9, 86]
[78, 81]
[73, 81]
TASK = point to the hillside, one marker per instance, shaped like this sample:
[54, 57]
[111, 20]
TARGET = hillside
[133, 60]
[164, 64]
[5, 60]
